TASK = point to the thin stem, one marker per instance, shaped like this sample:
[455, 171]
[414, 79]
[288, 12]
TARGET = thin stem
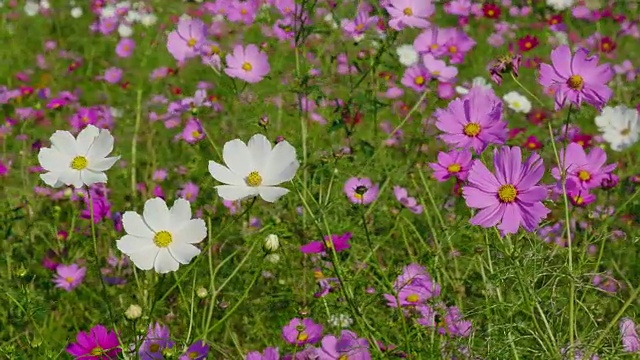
[97, 257]
[515, 79]
[134, 142]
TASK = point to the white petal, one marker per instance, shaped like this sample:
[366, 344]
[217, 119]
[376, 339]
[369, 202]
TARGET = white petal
[224, 175]
[259, 148]
[233, 193]
[130, 244]
[285, 175]
[102, 164]
[85, 139]
[93, 177]
[280, 158]
[134, 224]
[144, 259]
[237, 157]
[102, 146]
[71, 177]
[52, 179]
[193, 232]
[271, 194]
[165, 262]
[180, 213]
[52, 159]
[183, 253]
[156, 214]
[64, 142]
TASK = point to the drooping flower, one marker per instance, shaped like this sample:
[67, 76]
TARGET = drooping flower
[510, 197]
[361, 190]
[455, 163]
[249, 64]
[155, 342]
[473, 122]
[302, 331]
[586, 170]
[576, 78]
[630, 339]
[77, 161]
[161, 238]
[69, 277]
[98, 344]
[254, 169]
[403, 197]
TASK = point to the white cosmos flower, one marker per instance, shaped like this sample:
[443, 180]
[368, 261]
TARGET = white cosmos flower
[148, 19]
[407, 55]
[161, 238]
[559, 5]
[478, 81]
[254, 169]
[76, 12]
[31, 8]
[517, 102]
[620, 126]
[77, 161]
[125, 30]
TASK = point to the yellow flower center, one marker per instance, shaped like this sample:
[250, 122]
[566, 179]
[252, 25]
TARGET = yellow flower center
[155, 347]
[243, 11]
[302, 336]
[162, 239]
[532, 145]
[516, 104]
[215, 49]
[528, 45]
[360, 27]
[454, 168]
[579, 200]
[343, 357]
[584, 175]
[79, 163]
[191, 42]
[97, 351]
[575, 82]
[196, 134]
[419, 80]
[491, 12]
[85, 119]
[254, 179]
[68, 279]
[413, 298]
[434, 46]
[407, 11]
[471, 129]
[453, 49]
[507, 193]
[247, 67]
[625, 132]
[318, 275]
[193, 355]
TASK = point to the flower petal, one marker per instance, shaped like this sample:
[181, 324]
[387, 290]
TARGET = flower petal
[86, 138]
[102, 164]
[64, 142]
[183, 253]
[281, 164]
[134, 225]
[164, 262]
[233, 192]
[191, 232]
[52, 159]
[260, 148]
[224, 175]
[102, 146]
[180, 213]
[130, 244]
[156, 214]
[93, 177]
[237, 157]
[271, 194]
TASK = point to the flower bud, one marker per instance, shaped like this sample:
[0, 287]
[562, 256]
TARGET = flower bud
[133, 312]
[271, 244]
[202, 292]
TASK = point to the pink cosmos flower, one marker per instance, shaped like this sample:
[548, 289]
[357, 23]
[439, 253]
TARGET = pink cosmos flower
[361, 190]
[473, 122]
[269, 353]
[98, 344]
[125, 47]
[416, 77]
[403, 197]
[576, 78]
[337, 242]
[302, 331]
[511, 196]
[192, 132]
[112, 75]
[347, 346]
[439, 69]
[357, 27]
[411, 13]
[243, 11]
[586, 171]
[249, 64]
[189, 192]
[630, 339]
[69, 277]
[455, 163]
[184, 42]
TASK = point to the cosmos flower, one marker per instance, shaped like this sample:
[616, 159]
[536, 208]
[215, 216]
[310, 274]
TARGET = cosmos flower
[302, 331]
[269, 353]
[254, 169]
[347, 346]
[455, 163]
[161, 238]
[472, 122]
[517, 102]
[630, 339]
[77, 161]
[586, 170]
[337, 242]
[184, 42]
[361, 190]
[249, 64]
[620, 126]
[409, 13]
[510, 197]
[98, 344]
[576, 78]
[69, 277]
[156, 341]
[410, 203]
[197, 351]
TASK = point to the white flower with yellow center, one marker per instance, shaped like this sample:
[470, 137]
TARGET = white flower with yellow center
[620, 126]
[161, 238]
[77, 161]
[517, 102]
[254, 169]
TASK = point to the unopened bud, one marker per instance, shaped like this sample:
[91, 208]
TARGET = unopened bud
[202, 292]
[271, 244]
[272, 258]
[133, 312]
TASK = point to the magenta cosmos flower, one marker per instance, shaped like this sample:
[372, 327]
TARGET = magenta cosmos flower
[361, 190]
[511, 197]
[249, 64]
[186, 41]
[411, 13]
[576, 78]
[337, 242]
[586, 171]
[98, 344]
[473, 122]
[302, 331]
[455, 163]
[347, 346]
